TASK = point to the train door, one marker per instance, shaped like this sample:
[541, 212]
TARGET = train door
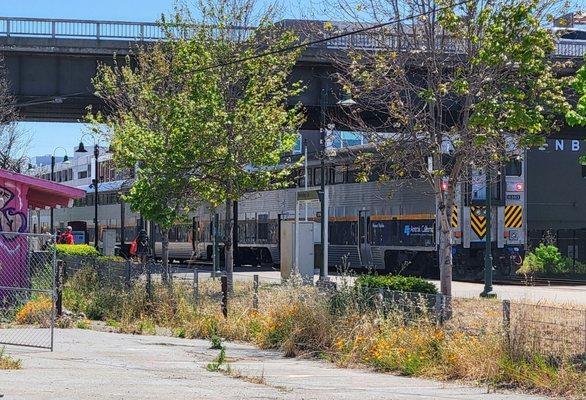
[364, 239]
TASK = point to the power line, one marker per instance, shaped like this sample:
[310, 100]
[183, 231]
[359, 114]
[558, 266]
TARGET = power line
[60, 98]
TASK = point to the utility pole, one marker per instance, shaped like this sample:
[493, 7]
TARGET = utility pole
[95, 182]
[324, 244]
[487, 292]
[52, 223]
[235, 234]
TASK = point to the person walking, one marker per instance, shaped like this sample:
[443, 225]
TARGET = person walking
[140, 246]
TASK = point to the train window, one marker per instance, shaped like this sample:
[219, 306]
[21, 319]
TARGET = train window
[514, 168]
[337, 174]
[263, 227]
[352, 174]
[317, 176]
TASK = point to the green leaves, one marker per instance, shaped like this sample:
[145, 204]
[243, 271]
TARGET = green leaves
[201, 133]
[577, 116]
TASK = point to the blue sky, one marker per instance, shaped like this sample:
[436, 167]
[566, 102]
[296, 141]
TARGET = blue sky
[46, 136]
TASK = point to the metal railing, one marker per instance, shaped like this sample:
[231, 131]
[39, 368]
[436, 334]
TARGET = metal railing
[81, 29]
[150, 31]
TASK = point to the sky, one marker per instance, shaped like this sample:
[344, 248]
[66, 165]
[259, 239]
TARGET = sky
[46, 136]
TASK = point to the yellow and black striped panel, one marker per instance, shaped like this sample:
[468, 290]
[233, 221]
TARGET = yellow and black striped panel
[454, 219]
[478, 221]
[513, 216]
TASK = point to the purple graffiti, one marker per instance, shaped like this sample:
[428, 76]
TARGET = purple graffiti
[11, 219]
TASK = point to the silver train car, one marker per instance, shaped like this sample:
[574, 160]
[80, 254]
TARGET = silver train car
[390, 226]
[384, 226]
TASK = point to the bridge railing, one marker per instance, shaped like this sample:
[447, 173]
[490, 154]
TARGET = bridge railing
[88, 29]
[149, 31]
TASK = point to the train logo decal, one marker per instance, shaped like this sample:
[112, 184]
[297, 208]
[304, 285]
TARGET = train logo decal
[454, 218]
[478, 220]
[513, 216]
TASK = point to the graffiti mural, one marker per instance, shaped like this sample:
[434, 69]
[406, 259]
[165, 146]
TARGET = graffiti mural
[13, 248]
[12, 217]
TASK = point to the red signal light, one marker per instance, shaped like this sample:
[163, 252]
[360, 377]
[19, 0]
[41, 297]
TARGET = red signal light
[519, 187]
[444, 186]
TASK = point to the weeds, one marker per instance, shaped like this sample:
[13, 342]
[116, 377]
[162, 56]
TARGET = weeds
[398, 334]
[219, 363]
[7, 362]
[36, 312]
[83, 324]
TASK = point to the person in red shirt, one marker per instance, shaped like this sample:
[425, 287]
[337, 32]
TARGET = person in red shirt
[67, 237]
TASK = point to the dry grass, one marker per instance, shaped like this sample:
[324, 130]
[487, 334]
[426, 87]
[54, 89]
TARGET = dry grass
[343, 328]
[7, 362]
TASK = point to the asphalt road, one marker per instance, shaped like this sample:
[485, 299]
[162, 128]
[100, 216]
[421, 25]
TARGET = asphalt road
[99, 365]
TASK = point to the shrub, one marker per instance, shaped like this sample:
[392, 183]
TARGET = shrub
[397, 282]
[110, 259]
[85, 293]
[36, 312]
[546, 259]
[76, 250]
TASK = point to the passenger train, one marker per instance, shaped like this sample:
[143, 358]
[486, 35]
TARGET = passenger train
[384, 226]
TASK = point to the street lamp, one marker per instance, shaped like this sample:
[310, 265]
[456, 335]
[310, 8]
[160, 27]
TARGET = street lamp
[81, 149]
[345, 102]
[64, 162]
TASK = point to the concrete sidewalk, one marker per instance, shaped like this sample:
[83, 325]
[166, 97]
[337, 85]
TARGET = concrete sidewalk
[98, 365]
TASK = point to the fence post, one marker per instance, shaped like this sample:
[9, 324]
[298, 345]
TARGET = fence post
[53, 29]
[439, 308]
[149, 288]
[59, 287]
[196, 286]
[98, 31]
[8, 28]
[255, 294]
[507, 320]
[224, 280]
[128, 274]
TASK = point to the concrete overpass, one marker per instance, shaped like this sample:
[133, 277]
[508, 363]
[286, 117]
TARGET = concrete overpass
[50, 62]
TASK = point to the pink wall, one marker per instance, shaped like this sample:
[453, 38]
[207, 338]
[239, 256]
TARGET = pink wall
[13, 218]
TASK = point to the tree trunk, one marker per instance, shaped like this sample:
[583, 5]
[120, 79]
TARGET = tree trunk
[166, 273]
[228, 249]
[445, 247]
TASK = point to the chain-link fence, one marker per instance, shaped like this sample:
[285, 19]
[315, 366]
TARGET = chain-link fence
[529, 328]
[545, 329]
[27, 289]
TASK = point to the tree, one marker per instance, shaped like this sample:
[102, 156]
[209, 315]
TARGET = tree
[461, 88]
[13, 141]
[577, 115]
[203, 115]
[156, 123]
[250, 125]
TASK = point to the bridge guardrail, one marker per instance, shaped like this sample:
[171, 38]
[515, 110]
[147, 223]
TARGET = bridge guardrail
[150, 31]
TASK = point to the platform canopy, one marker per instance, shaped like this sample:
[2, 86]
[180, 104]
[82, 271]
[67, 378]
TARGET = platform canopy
[39, 193]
